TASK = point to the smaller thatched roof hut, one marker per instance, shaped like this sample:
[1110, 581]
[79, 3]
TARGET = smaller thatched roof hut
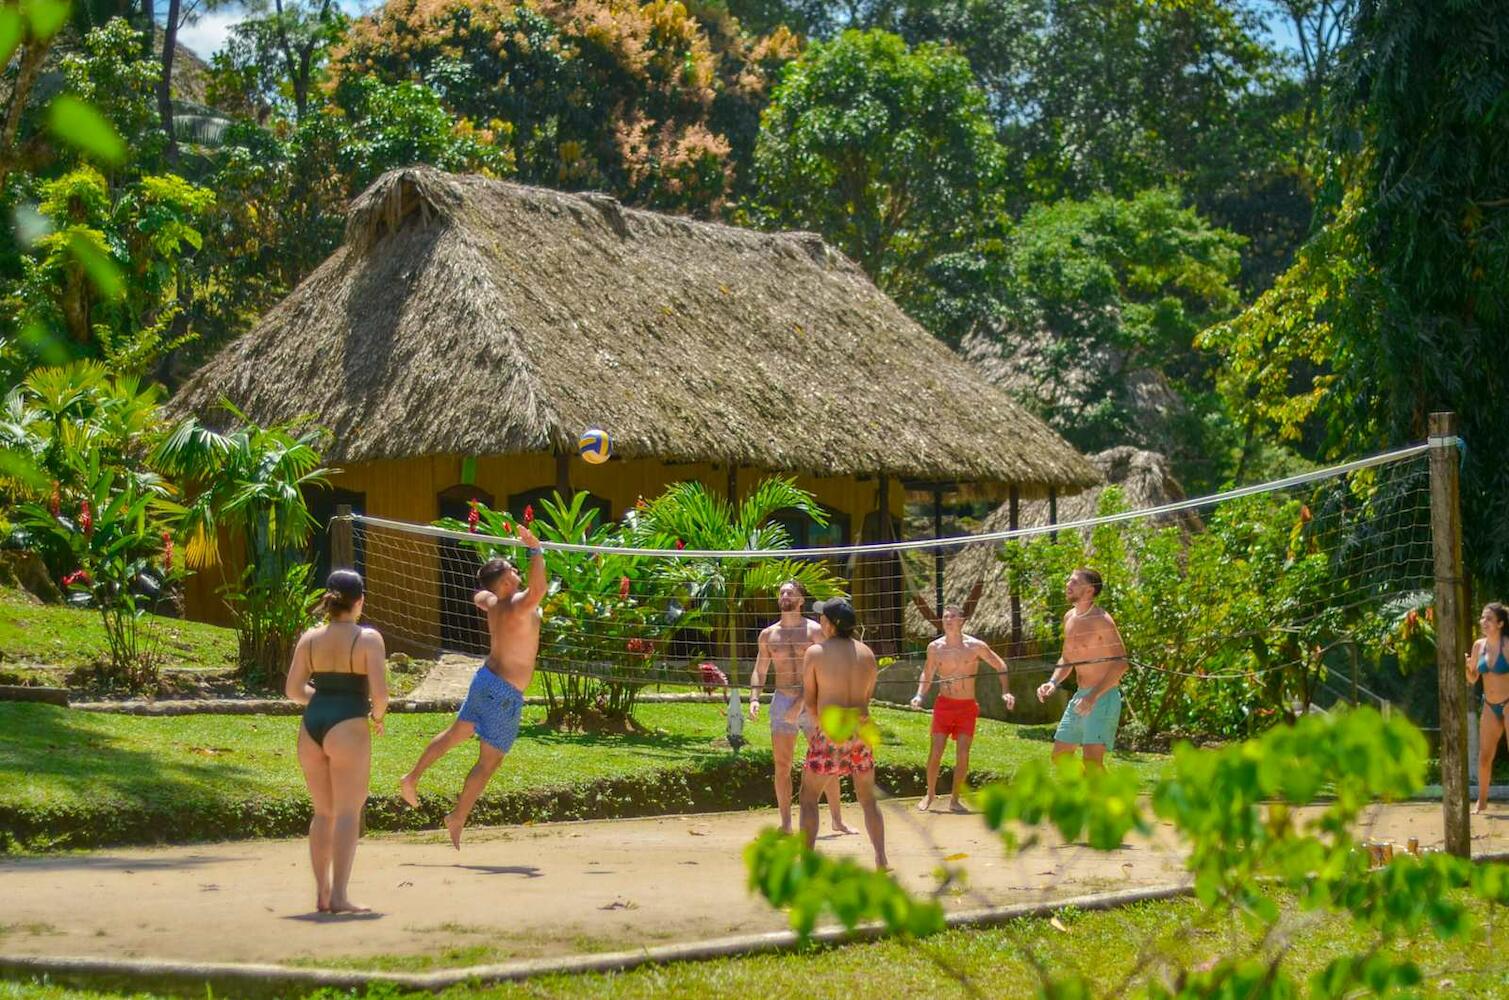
[1144, 479]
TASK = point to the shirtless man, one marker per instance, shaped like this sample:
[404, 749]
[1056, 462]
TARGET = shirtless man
[955, 659]
[496, 698]
[839, 671]
[783, 644]
[1094, 651]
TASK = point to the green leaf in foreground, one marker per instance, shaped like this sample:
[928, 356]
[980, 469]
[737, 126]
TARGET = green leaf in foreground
[787, 873]
[77, 122]
[47, 17]
[11, 30]
[88, 249]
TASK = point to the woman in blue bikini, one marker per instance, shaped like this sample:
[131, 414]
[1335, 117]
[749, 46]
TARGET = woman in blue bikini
[1489, 660]
[338, 674]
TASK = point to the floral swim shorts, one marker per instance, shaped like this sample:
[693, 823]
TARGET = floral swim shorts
[852, 756]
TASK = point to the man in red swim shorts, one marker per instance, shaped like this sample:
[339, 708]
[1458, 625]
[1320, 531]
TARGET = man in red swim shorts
[838, 680]
[955, 658]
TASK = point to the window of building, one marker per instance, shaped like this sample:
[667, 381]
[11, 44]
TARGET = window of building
[808, 534]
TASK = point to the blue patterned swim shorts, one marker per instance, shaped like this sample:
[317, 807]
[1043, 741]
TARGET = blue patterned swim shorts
[494, 706]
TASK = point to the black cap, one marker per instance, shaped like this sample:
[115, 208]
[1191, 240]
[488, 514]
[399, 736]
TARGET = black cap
[837, 610]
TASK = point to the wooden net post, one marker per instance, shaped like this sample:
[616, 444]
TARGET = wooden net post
[1451, 629]
[342, 551]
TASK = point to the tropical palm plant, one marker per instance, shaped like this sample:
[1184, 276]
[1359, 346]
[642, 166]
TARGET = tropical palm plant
[688, 515]
[250, 483]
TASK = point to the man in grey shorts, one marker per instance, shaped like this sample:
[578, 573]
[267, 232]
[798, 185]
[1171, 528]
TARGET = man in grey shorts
[784, 643]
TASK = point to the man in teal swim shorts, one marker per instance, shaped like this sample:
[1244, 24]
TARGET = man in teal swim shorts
[1094, 652]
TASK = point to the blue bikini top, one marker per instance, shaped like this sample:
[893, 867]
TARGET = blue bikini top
[1500, 666]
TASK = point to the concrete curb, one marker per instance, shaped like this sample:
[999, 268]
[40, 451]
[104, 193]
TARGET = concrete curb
[240, 978]
[1432, 793]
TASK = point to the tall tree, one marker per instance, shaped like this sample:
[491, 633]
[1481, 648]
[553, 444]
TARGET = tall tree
[1427, 87]
[649, 100]
[1103, 299]
[1400, 305]
[890, 154]
[277, 55]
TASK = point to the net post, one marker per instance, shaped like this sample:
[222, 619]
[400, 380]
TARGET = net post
[1015, 513]
[1451, 629]
[342, 551]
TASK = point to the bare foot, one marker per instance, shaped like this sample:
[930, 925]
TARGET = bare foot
[839, 826]
[1480, 808]
[955, 806]
[346, 906]
[926, 804]
[881, 866]
[453, 825]
[408, 790]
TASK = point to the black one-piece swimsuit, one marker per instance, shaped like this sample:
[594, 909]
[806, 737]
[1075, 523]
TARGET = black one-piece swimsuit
[338, 696]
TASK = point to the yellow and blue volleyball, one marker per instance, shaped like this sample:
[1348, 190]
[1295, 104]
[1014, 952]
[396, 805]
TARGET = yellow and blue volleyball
[595, 446]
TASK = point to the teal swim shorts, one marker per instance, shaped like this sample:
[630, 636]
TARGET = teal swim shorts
[1096, 728]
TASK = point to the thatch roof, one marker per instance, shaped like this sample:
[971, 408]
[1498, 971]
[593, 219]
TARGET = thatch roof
[1145, 481]
[1062, 380]
[470, 316]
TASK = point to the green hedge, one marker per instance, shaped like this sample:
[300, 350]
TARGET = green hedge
[739, 783]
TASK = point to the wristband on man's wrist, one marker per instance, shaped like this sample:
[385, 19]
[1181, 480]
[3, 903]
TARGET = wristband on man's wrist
[1053, 683]
[534, 550]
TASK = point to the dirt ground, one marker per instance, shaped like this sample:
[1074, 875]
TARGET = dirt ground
[531, 891]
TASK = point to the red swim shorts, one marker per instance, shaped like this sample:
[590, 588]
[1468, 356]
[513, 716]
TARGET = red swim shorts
[955, 716]
[852, 756]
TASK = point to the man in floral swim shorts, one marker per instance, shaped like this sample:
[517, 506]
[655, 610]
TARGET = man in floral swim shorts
[838, 679]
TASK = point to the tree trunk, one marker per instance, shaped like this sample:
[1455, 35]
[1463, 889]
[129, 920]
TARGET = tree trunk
[32, 58]
[165, 85]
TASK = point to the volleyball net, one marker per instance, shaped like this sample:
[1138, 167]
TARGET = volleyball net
[1285, 595]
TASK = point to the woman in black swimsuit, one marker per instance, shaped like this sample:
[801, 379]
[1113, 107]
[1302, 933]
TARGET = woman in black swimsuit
[337, 672]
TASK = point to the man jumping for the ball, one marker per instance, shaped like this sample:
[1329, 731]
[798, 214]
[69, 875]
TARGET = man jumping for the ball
[495, 700]
[955, 658]
[1093, 650]
[783, 644]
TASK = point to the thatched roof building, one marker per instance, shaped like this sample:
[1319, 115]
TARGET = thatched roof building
[1144, 479]
[468, 330]
[469, 316]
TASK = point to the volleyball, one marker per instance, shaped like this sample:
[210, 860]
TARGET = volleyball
[595, 446]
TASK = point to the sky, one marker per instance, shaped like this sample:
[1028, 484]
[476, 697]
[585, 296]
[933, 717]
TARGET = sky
[205, 36]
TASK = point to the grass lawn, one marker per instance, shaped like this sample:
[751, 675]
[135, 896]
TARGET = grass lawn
[55, 635]
[50, 754]
[69, 764]
[994, 962]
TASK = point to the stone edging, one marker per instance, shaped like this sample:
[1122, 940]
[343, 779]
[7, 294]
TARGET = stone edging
[239, 979]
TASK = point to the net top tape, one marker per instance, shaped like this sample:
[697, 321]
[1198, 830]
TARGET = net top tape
[918, 544]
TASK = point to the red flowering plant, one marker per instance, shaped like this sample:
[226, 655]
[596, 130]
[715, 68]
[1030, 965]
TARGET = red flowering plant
[117, 534]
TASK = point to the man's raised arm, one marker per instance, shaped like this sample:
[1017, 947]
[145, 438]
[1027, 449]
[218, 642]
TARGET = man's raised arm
[538, 581]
